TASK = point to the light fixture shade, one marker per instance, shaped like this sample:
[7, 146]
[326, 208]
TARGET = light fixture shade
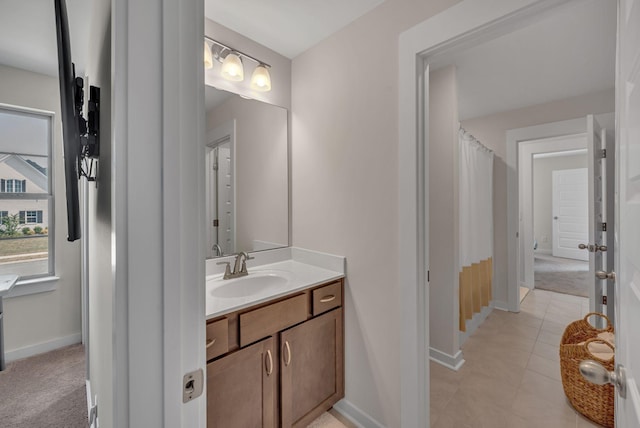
[260, 79]
[208, 59]
[232, 68]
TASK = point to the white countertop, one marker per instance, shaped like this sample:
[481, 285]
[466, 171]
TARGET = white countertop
[294, 275]
[6, 283]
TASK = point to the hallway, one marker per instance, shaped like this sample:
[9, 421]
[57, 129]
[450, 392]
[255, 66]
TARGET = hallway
[511, 377]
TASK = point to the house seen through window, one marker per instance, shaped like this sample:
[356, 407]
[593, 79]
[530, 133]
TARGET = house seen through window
[26, 196]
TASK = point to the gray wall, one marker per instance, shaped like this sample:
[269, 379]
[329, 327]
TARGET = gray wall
[345, 186]
[55, 315]
[100, 225]
[443, 214]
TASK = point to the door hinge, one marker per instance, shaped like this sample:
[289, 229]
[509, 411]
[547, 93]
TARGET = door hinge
[604, 153]
[428, 275]
[216, 223]
[604, 227]
[215, 166]
[604, 300]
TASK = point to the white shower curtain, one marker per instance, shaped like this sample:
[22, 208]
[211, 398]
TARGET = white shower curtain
[475, 225]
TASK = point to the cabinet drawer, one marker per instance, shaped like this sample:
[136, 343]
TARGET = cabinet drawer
[217, 338]
[268, 320]
[327, 297]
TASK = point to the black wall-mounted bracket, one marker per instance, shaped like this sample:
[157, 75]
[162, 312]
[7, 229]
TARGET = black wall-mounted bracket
[89, 130]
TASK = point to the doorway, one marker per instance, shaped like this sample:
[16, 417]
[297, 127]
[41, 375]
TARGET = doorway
[560, 222]
[474, 24]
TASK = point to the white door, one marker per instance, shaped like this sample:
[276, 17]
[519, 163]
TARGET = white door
[570, 212]
[627, 249]
[596, 241]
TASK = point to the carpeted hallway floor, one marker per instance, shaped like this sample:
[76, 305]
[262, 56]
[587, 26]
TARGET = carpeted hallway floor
[47, 390]
[561, 275]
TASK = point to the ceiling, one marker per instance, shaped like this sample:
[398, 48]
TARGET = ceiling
[28, 34]
[566, 53]
[288, 27]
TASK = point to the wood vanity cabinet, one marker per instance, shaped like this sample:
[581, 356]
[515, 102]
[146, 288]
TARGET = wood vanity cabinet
[311, 368]
[284, 364]
[242, 388]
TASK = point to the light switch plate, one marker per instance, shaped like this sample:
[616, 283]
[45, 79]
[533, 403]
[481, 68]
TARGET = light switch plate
[192, 385]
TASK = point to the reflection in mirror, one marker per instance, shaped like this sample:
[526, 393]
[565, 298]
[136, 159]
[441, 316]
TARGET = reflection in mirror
[247, 192]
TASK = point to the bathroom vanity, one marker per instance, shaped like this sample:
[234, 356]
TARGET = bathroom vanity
[275, 346]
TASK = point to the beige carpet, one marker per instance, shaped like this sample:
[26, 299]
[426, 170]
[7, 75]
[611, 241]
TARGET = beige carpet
[561, 275]
[47, 390]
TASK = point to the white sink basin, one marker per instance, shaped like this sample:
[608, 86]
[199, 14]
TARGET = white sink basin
[250, 285]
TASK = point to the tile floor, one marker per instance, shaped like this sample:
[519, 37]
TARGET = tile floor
[511, 377]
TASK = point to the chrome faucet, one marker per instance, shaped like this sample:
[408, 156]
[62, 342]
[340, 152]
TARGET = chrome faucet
[217, 250]
[239, 266]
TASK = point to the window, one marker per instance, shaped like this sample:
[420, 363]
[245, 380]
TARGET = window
[13, 186]
[26, 195]
[30, 217]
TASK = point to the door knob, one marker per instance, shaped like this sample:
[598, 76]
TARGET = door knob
[555, 217]
[594, 372]
[600, 274]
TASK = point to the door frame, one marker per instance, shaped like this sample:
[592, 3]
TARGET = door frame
[547, 141]
[157, 152]
[464, 24]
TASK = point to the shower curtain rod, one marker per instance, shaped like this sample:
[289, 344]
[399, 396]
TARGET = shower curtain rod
[469, 135]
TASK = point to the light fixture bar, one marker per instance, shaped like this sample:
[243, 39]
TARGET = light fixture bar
[242, 54]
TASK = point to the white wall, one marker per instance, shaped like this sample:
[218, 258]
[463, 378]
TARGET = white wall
[491, 131]
[443, 214]
[99, 225]
[53, 316]
[344, 187]
[543, 194]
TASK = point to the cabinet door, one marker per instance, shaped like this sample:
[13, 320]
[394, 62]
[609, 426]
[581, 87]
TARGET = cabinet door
[241, 388]
[311, 368]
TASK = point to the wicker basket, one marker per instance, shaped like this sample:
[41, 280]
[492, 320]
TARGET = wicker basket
[596, 402]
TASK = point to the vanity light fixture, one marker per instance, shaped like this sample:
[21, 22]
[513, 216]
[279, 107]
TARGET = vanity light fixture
[232, 67]
[208, 59]
[260, 79]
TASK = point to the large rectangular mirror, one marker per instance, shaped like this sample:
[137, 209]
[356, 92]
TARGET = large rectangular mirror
[247, 175]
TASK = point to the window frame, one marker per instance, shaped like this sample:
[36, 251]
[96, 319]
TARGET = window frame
[50, 196]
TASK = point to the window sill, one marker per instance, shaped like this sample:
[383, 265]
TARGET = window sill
[26, 287]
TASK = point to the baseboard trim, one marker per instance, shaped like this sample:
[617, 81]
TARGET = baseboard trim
[355, 415]
[453, 362]
[475, 322]
[39, 348]
[501, 306]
